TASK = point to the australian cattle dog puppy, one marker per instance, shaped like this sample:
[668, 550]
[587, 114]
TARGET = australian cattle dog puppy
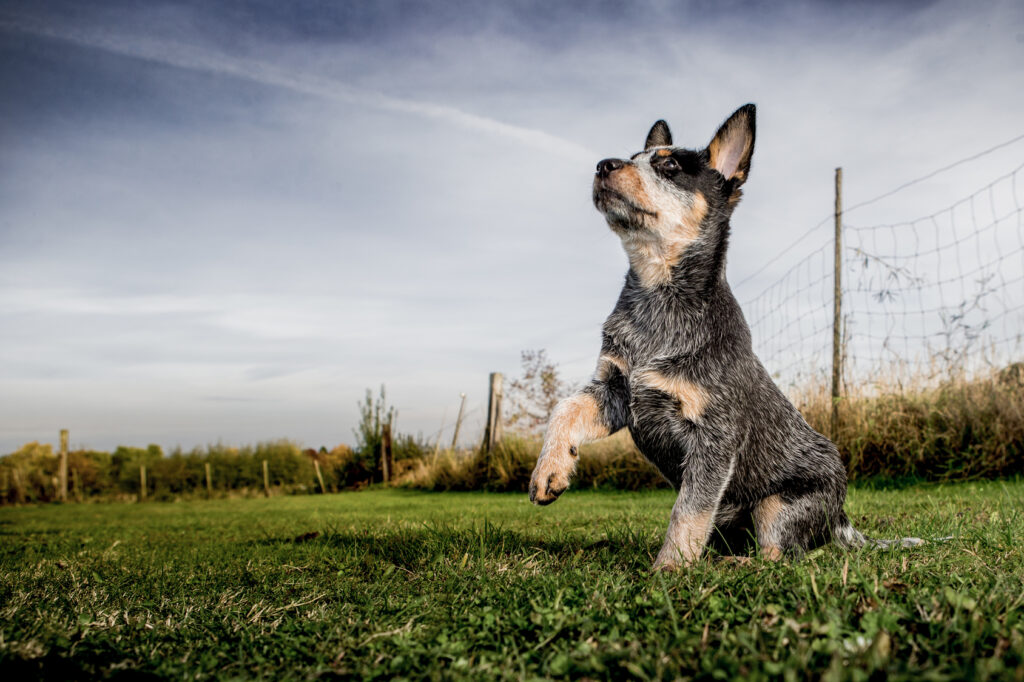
[677, 367]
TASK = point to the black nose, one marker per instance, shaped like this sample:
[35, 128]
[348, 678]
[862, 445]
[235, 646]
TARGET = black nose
[605, 168]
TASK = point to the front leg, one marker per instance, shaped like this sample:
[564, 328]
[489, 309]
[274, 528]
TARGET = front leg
[597, 411]
[680, 427]
[575, 420]
[689, 527]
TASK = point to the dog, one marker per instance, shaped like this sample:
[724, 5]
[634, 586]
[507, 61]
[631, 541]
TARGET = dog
[677, 368]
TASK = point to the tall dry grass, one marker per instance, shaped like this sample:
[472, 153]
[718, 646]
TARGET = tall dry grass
[611, 463]
[958, 429]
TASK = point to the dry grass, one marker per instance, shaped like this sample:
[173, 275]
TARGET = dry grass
[611, 463]
[959, 429]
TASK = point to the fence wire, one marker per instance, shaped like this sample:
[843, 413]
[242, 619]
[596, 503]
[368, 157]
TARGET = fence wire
[920, 298]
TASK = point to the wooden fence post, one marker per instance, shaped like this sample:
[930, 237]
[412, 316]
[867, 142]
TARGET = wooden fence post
[142, 483]
[837, 300]
[266, 479]
[458, 421]
[319, 476]
[209, 480]
[492, 432]
[62, 467]
[19, 491]
[385, 451]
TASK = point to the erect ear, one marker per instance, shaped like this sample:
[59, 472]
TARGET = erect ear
[733, 145]
[660, 136]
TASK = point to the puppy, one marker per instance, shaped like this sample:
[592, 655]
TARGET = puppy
[677, 368]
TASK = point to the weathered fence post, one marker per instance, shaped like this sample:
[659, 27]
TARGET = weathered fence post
[19, 492]
[837, 301]
[458, 421]
[142, 483]
[266, 479]
[492, 432]
[385, 451]
[319, 476]
[62, 467]
[209, 480]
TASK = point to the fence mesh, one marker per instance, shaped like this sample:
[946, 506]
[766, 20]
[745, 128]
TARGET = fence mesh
[920, 298]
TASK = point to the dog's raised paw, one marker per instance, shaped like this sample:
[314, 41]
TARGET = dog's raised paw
[549, 490]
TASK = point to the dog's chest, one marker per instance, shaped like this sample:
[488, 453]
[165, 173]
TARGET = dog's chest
[642, 329]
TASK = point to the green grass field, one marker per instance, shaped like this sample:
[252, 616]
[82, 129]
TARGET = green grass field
[390, 583]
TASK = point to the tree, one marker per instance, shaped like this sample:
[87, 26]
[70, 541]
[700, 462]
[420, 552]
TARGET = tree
[533, 396]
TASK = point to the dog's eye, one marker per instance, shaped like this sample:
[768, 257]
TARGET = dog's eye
[670, 165]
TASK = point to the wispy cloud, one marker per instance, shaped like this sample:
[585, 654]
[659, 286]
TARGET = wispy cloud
[198, 58]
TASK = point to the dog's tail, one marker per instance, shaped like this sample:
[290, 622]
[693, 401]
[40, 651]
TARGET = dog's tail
[848, 536]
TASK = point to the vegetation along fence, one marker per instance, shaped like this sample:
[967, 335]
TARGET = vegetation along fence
[888, 303]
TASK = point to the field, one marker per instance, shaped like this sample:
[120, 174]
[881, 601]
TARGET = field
[397, 583]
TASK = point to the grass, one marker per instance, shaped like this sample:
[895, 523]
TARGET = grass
[406, 584]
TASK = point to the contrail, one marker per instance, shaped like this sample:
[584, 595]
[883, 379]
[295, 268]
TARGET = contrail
[199, 59]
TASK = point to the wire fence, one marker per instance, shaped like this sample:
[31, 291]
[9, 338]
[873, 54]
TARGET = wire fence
[920, 298]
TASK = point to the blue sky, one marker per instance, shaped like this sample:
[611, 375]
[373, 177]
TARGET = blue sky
[224, 221]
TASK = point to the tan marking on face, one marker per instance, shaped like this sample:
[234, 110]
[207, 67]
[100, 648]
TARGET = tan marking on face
[663, 152]
[692, 398]
[627, 182]
[606, 362]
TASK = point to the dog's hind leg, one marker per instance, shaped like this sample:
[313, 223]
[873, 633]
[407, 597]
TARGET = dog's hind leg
[771, 523]
[795, 524]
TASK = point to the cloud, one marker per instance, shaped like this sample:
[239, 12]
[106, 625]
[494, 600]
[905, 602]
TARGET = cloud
[198, 58]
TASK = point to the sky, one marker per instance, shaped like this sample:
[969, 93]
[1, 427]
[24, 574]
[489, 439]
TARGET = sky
[224, 222]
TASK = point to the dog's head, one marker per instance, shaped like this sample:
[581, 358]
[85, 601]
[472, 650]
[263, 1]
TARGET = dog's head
[661, 200]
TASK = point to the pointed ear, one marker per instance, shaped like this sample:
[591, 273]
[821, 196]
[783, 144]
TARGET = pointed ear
[733, 145]
[660, 136]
